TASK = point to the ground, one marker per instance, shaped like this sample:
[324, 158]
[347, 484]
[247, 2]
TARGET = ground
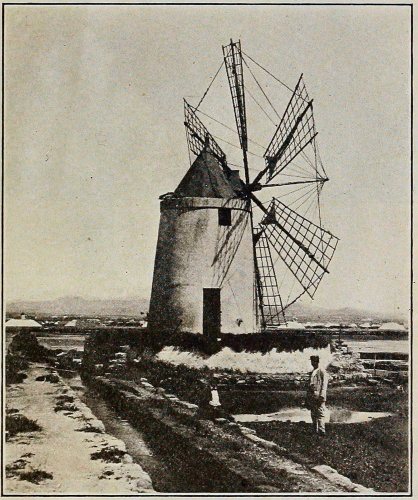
[50, 432]
[374, 454]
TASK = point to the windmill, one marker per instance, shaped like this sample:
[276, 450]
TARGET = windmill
[270, 230]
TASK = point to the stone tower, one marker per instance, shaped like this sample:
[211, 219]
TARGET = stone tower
[203, 273]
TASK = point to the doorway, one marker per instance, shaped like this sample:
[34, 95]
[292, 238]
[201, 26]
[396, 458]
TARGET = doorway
[212, 312]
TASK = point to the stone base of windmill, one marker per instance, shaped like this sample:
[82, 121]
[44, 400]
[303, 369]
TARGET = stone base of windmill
[283, 367]
[271, 369]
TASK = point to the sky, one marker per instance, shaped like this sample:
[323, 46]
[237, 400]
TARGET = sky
[94, 134]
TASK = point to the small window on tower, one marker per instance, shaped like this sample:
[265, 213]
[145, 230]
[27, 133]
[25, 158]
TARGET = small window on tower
[224, 216]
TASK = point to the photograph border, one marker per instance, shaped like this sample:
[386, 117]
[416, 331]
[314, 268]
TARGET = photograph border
[3, 308]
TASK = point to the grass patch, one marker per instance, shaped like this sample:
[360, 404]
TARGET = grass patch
[109, 454]
[374, 454]
[106, 474]
[17, 423]
[11, 411]
[90, 428]
[50, 377]
[35, 476]
[14, 469]
[65, 403]
[15, 368]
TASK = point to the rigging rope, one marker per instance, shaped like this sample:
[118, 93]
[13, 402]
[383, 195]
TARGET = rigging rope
[242, 166]
[227, 126]
[235, 146]
[308, 194]
[299, 176]
[294, 191]
[210, 85]
[262, 90]
[236, 302]
[298, 170]
[262, 109]
[271, 74]
[188, 148]
[309, 207]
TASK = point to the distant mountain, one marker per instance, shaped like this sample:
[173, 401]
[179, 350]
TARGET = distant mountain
[345, 315]
[134, 306]
[78, 306]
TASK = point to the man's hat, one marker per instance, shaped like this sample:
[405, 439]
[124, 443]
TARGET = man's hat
[315, 358]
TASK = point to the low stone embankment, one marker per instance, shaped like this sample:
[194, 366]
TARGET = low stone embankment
[231, 457]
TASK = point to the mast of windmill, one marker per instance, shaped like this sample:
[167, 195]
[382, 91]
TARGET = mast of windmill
[233, 65]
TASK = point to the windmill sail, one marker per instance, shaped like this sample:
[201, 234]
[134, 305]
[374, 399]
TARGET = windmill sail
[233, 65]
[269, 299]
[295, 131]
[198, 135]
[304, 247]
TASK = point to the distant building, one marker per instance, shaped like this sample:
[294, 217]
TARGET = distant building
[71, 324]
[310, 324]
[332, 325]
[393, 327]
[23, 322]
[294, 325]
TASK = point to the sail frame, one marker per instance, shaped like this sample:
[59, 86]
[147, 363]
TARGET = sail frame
[198, 136]
[306, 248]
[295, 131]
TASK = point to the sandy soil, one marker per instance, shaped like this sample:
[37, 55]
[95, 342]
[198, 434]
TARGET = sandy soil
[64, 446]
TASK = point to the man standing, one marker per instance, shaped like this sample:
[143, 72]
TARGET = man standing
[317, 396]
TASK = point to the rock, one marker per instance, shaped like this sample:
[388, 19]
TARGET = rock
[124, 348]
[221, 420]
[247, 430]
[190, 406]
[50, 377]
[333, 368]
[339, 480]
[173, 398]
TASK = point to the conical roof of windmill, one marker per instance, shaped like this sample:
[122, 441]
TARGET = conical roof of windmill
[206, 179]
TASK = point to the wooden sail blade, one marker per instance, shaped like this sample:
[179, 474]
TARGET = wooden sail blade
[305, 248]
[198, 135]
[233, 65]
[268, 291]
[295, 131]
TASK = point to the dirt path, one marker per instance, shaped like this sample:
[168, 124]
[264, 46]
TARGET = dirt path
[58, 457]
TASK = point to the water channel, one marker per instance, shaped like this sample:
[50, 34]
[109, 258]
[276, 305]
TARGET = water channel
[167, 472]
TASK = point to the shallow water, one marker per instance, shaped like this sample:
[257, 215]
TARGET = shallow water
[334, 416]
[64, 342]
[377, 345]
